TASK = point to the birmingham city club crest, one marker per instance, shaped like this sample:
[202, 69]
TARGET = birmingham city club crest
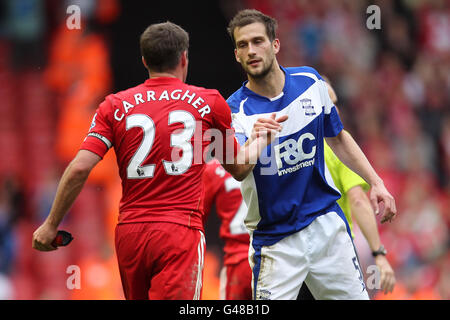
[308, 107]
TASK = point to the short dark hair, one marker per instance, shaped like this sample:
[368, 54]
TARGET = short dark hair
[162, 45]
[248, 16]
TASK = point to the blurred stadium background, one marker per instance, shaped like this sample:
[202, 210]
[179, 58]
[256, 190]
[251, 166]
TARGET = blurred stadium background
[393, 86]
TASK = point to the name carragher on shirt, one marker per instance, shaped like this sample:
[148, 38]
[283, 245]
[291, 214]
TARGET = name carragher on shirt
[177, 94]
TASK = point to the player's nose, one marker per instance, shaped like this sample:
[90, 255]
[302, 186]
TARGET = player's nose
[251, 50]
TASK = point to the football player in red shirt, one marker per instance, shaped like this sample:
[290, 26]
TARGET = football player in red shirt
[157, 130]
[224, 191]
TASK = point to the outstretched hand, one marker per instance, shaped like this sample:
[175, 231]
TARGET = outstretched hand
[268, 127]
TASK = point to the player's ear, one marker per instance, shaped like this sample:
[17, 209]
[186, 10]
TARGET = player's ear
[276, 45]
[145, 63]
[184, 58]
[236, 56]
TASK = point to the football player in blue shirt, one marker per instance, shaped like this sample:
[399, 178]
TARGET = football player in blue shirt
[297, 231]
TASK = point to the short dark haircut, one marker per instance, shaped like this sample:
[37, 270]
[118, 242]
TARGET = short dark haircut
[162, 45]
[248, 16]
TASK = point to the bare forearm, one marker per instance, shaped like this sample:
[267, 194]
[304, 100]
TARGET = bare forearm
[68, 190]
[364, 216]
[348, 151]
[246, 159]
[263, 133]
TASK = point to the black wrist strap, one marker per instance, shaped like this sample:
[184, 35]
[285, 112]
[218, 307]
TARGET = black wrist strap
[380, 251]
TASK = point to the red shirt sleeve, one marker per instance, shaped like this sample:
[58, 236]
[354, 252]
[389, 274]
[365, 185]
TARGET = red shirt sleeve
[222, 121]
[100, 136]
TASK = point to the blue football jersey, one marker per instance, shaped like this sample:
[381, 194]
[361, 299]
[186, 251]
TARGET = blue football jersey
[290, 185]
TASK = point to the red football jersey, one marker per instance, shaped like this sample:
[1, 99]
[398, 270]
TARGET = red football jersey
[157, 130]
[223, 190]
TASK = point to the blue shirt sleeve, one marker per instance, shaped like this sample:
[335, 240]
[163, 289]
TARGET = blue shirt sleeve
[332, 123]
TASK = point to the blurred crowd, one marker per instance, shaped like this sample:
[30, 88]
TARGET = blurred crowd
[393, 86]
[52, 80]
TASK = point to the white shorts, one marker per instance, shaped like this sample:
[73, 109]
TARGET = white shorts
[321, 254]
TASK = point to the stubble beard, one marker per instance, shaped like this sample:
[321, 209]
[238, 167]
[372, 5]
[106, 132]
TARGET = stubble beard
[261, 74]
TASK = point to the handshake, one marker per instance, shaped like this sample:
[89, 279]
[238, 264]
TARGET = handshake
[267, 128]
